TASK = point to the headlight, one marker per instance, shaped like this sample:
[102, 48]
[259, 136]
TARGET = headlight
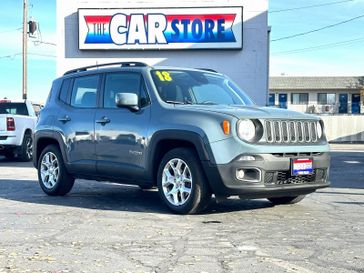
[319, 130]
[247, 130]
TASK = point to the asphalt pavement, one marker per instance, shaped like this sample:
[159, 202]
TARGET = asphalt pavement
[104, 227]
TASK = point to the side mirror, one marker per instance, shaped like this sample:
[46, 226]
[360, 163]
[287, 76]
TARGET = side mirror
[127, 100]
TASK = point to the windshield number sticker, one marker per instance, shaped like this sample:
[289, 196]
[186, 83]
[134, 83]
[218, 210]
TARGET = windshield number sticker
[164, 76]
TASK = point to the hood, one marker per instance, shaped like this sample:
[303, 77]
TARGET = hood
[251, 112]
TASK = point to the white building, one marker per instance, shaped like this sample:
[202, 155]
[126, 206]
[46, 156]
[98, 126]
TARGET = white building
[228, 36]
[319, 95]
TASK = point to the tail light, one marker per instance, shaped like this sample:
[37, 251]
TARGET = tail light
[10, 124]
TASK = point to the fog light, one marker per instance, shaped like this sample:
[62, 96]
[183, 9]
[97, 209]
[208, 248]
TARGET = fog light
[240, 174]
[250, 174]
[247, 158]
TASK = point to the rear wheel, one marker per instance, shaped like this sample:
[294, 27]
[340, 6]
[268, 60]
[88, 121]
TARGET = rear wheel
[26, 149]
[52, 174]
[181, 182]
[286, 200]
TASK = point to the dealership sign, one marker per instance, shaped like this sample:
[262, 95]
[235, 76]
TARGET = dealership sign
[182, 28]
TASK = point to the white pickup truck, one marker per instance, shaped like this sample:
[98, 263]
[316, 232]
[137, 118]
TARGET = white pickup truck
[17, 123]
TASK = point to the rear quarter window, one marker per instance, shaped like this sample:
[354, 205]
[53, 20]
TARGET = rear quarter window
[64, 92]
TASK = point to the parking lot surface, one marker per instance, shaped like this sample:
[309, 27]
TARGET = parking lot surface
[104, 227]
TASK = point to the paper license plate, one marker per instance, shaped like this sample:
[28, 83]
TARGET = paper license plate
[302, 166]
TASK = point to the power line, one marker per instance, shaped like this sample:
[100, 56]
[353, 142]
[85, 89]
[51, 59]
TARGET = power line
[11, 56]
[319, 47]
[312, 6]
[45, 43]
[10, 30]
[318, 29]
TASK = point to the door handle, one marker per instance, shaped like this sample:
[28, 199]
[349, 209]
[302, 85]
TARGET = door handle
[103, 121]
[64, 119]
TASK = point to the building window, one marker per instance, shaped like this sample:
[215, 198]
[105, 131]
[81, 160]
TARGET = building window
[326, 98]
[272, 99]
[299, 98]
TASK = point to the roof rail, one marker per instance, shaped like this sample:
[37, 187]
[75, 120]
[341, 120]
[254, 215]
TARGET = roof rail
[208, 69]
[122, 64]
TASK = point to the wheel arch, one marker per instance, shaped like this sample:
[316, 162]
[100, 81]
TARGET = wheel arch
[166, 140]
[42, 140]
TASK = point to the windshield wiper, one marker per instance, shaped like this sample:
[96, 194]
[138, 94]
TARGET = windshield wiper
[179, 102]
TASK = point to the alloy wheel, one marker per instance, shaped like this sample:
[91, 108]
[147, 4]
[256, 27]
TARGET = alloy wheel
[177, 182]
[49, 170]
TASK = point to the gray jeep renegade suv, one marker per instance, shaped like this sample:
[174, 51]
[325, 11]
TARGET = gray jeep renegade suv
[190, 132]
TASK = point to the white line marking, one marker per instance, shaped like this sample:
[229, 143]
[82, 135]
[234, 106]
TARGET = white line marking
[352, 162]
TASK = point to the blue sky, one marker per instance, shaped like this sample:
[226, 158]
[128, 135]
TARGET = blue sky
[341, 60]
[41, 69]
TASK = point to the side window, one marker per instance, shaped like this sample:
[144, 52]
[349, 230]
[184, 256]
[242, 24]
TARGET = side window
[63, 94]
[123, 83]
[84, 92]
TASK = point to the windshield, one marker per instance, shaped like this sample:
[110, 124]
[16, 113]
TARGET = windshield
[197, 87]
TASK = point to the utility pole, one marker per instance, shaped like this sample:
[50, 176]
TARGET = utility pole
[25, 49]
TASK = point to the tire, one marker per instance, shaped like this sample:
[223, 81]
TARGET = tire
[26, 149]
[52, 174]
[187, 192]
[286, 200]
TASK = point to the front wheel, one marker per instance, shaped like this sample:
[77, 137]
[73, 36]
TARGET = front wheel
[52, 174]
[286, 200]
[181, 182]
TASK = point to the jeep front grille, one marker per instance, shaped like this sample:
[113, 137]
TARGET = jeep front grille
[291, 132]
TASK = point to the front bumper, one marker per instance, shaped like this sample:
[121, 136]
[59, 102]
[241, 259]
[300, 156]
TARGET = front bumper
[274, 177]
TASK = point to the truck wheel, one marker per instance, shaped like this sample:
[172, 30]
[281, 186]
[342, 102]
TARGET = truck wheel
[52, 174]
[26, 149]
[181, 182]
[286, 200]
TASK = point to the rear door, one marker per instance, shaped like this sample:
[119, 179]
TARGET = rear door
[121, 133]
[75, 121]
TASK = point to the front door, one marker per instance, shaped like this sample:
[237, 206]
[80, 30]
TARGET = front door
[121, 133]
[282, 99]
[355, 103]
[343, 103]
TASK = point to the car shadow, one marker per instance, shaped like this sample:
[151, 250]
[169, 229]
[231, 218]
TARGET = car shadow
[109, 196]
[14, 162]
